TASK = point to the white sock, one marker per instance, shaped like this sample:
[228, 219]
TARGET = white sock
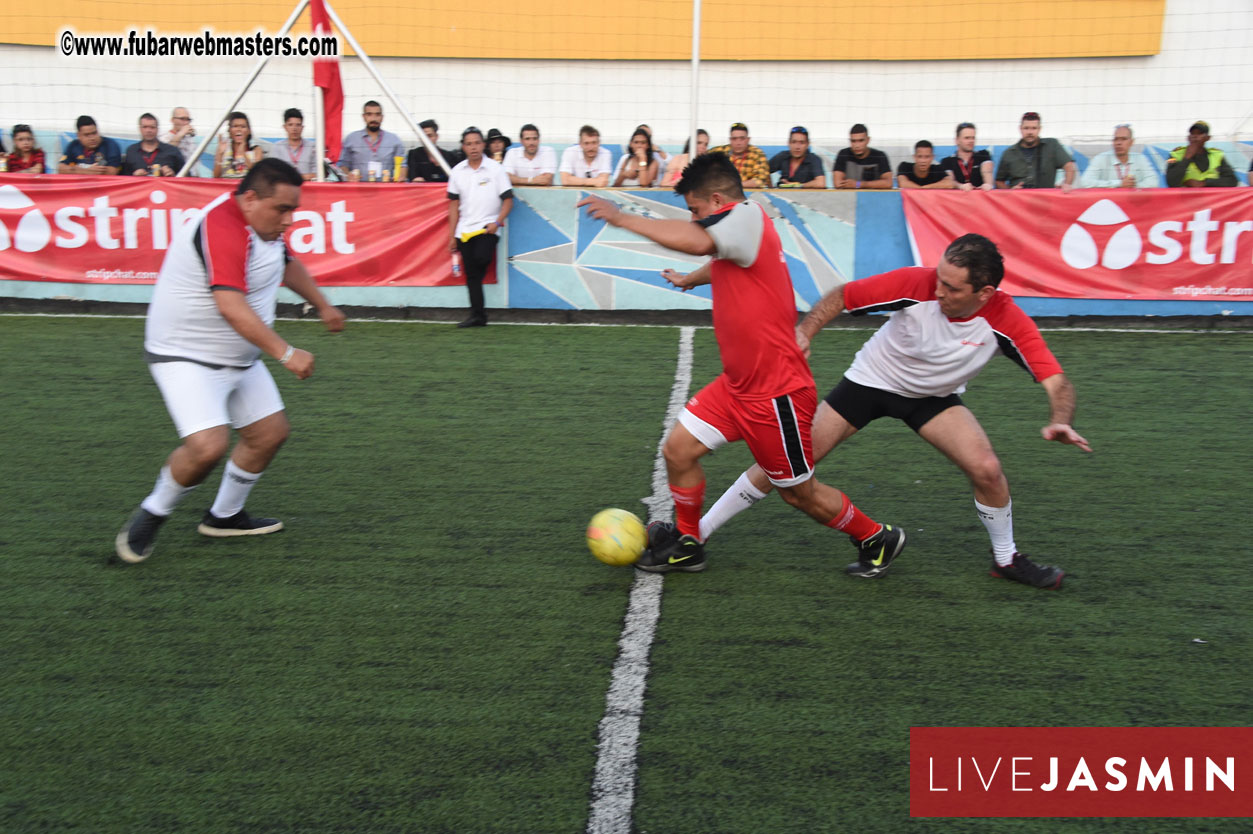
[734, 501]
[1000, 524]
[166, 494]
[236, 484]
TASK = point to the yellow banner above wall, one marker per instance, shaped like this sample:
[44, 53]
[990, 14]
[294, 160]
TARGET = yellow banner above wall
[653, 30]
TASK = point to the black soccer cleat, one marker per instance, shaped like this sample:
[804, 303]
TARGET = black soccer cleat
[240, 524]
[135, 541]
[876, 554]
[684, 553]
[662, 534]
[1023, 570]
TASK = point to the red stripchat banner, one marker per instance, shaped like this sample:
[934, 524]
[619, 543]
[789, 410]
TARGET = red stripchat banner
[1160, 243]
[1081, 771]
[115, 230]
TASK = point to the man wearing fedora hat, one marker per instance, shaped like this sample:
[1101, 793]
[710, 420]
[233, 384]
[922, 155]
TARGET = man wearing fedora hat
[1195, 166]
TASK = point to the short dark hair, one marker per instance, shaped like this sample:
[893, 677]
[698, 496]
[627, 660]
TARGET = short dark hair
[858, 128]
[266, 175]
[526, 127]
[588, 130]
[148, 116]
[709, 173]
[371, 103]
[979, 257]
[470, 130]
[964, 126]
[293, 113]
[84, 121]
[922, 143]
[431, 123]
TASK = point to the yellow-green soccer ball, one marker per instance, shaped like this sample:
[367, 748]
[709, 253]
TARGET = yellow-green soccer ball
[616, 537]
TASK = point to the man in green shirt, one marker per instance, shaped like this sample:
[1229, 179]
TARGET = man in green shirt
[1034, 162]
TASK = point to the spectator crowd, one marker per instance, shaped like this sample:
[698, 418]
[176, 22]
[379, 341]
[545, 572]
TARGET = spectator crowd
[373, 154]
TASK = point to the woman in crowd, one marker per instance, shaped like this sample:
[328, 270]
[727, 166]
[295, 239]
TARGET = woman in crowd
[235, 157]
[27, 157]
[497, 144]
[678, 162]
[638, 166]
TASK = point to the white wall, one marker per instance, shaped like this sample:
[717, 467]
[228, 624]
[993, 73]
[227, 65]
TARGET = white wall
[1204, 71]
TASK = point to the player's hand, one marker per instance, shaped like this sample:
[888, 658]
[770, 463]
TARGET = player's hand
[332, 318]
[680, 280]
[802, 342]
[1063, 433]
[492, 228]
[599, 208]
[452, 244]
[300, 364]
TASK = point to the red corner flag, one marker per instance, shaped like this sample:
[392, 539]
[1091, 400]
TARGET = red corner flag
[326, 76]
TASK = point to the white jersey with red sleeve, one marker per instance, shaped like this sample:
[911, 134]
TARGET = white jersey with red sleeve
[754, 305]
[920, 352]
[220, 251]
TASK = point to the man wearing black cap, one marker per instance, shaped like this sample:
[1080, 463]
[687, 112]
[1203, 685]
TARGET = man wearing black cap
[1195, 166]
[424, 169]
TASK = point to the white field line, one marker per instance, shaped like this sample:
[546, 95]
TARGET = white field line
[613, 787]
[315, 320]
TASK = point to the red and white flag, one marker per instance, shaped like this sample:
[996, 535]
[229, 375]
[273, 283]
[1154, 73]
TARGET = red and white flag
[326, 76]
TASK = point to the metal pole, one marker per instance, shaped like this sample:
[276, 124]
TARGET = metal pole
[431, 150]
[319, 126]
[204, 142]
[695, 94]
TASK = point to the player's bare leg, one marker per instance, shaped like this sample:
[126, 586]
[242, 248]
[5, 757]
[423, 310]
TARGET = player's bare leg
[877, 544]
[959, 436]
[259, 442]
[830, 429]
[678, 546]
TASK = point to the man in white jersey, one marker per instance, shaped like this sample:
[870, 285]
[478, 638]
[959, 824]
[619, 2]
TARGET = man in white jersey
[949, 322]
[209, 321]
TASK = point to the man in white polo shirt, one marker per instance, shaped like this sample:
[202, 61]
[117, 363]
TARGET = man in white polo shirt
[480, 197]
[209, 321]
[587, 164]
[532, 163]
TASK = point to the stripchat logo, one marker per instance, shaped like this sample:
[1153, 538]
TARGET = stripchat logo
[1079, 248]
[1167, 240]
[31, 232]
[145, 226]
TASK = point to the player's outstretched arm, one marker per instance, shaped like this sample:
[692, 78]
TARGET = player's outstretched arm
[1062, 412]
[679, 235]
[297, 279]
[696, 278]
[233, 305]
[827, 308]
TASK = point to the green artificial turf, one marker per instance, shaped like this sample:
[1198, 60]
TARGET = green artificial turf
[427, 646]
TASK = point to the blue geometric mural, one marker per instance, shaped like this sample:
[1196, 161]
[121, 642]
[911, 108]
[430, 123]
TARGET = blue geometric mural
[560, 258]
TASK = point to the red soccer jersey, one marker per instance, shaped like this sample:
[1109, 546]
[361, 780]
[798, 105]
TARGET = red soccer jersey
[754, 308]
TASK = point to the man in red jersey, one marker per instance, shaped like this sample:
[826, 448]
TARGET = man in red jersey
[949, 322]
[765, 394]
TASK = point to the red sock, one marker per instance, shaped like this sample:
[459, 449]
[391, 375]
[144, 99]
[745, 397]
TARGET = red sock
[853, 521]
[687, 504]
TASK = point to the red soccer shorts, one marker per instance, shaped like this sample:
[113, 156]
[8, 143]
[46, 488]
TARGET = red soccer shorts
[777, 430]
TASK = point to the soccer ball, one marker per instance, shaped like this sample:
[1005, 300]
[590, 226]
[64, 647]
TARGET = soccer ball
[616, 537]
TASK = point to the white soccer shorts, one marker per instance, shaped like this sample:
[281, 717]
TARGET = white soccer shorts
[199, 397]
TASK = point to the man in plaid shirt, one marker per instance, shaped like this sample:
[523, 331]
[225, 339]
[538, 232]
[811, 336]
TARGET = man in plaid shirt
[749, 160]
